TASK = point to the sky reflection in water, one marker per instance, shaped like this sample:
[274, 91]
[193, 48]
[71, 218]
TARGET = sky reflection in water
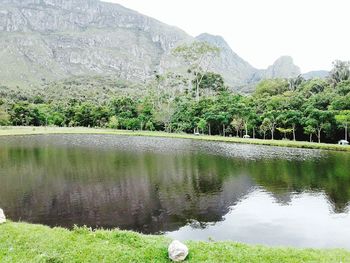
[187, 189]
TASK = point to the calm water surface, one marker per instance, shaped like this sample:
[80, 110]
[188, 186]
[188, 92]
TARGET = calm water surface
[185, 189]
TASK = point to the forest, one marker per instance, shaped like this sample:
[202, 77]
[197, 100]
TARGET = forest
[198, 101]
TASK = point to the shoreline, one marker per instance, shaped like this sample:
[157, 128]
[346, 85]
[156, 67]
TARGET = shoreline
[26, 242]
[29, 130]
[23, 242]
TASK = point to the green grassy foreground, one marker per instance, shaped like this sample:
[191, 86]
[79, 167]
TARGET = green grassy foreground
[21, 242]
[81, 130]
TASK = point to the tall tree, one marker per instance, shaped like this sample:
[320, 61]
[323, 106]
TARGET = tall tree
[238, 124]
[340, 72]
[291, 118]
[271, 118]
[198, 56]
[319, 120]
[343, 117]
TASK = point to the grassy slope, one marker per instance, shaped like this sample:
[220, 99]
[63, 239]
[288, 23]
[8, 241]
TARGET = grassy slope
[21, 242]
[53, 130]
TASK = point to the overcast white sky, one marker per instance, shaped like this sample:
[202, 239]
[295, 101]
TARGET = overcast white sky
[313, 32]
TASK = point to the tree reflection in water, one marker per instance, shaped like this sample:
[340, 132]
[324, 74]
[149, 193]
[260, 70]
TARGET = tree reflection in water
[155, 185]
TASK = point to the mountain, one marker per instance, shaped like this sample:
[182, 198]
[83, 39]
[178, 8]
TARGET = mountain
[55, 39]
[42, 41]
[234, 69]
[283, 67]
[316, 74]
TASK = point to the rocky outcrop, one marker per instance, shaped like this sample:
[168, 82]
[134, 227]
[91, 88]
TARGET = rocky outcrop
[47, 40]
[283, 67]
[234, 69]
[54, 39]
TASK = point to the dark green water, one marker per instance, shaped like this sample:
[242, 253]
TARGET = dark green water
[183, 188]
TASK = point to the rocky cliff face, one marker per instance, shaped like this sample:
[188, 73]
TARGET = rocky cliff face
[46, 40]
[283, 67]
[52, 39]
[234, 69]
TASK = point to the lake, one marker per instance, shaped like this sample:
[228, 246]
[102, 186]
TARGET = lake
[185, 189]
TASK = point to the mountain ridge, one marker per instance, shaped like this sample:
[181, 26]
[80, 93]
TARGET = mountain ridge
[48, 40]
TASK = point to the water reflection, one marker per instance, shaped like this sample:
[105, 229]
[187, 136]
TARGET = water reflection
[258, 219]
[188, 189]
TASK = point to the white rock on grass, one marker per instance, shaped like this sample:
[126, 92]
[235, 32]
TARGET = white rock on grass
[177, 251]
[2, 217]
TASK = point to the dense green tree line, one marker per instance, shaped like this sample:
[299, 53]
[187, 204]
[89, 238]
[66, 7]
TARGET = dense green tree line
[295, 109]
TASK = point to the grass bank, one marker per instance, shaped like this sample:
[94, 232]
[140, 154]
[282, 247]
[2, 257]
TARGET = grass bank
[21, 242]
[5, 131]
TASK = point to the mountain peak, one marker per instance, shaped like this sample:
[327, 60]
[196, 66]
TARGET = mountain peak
[210, 36]
[216, 40]
[234, 69]
[283, 67]
[284, 60]
[58, 39]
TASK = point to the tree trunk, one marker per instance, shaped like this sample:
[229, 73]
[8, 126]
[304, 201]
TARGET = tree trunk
[246, 129]
[319, 135]
[223, 130]
[311, 137]
[197, 94]
[294, 133]
[346, 131]
[253, 132]
[209, 129]
[264, 135]
[272, 134]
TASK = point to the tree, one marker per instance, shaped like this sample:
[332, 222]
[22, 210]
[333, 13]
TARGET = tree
[264, 127]
[291, 118]
[271, 87]
[294, 83]
[113, 123]
[85, 115]
[309, 130]
[4, 117]
[312, 87]
[285, 131]
[237, 123]
[318, 120]
[202, 124]
[198, 56]
[343, 117]
[164, 116]
[340, 72]
[245, 112]
[211, 82]
[271, 119]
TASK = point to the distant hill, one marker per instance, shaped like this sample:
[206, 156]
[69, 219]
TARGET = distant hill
[53, 40]
[316, 74]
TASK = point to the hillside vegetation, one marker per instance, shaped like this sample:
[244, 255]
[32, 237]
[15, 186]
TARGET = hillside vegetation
[289, 109]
